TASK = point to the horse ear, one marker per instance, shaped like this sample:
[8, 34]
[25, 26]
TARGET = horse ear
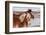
[29, 10]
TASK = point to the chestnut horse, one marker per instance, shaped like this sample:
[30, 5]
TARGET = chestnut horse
[18, 22]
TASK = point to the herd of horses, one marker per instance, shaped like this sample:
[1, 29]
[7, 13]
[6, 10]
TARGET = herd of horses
[21, 20]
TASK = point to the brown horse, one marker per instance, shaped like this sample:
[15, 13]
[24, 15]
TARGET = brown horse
[17, 22]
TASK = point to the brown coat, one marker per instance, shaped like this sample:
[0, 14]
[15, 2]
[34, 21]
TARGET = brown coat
[17, 22]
